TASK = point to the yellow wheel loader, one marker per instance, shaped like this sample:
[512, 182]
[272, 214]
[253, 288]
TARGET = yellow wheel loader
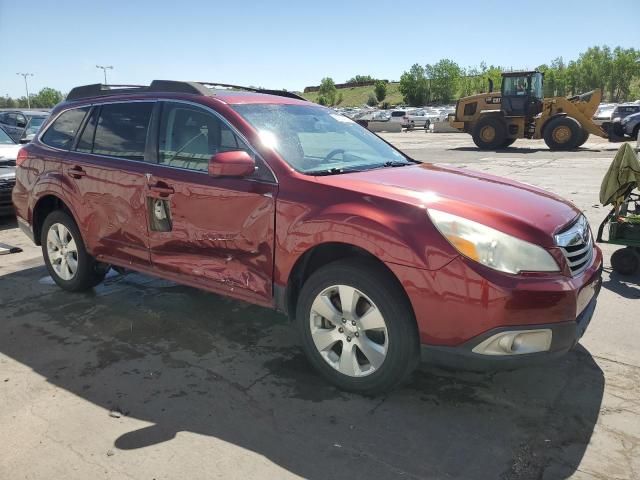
[497, 119]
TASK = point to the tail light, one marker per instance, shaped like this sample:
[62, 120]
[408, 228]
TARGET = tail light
[22, 156]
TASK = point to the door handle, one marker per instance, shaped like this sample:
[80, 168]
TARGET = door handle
[76, 172]
[161, 190]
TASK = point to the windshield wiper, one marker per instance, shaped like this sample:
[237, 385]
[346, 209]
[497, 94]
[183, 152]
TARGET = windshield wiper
[391, 163]
[333, 171]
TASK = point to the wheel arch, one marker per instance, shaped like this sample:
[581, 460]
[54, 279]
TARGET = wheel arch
[322, 254]
[44, 206]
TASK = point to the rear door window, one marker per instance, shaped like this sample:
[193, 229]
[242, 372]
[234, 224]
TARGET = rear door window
[63, 130]
[121, 130]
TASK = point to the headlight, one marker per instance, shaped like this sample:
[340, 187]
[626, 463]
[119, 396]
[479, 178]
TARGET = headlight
[491, 247]
[625, 120]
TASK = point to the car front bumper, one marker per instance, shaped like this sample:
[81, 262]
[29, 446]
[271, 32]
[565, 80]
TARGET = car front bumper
[463, 304]
[565, 336]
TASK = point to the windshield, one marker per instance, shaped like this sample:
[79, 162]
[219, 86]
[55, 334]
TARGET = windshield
[314, 140]
[5, 139]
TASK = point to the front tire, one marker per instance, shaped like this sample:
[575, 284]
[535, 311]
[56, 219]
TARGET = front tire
[65, 255]
[583, 139]
[358, 329]
[562, 133]
[508, 142]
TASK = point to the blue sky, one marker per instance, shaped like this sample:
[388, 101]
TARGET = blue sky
[285, 44]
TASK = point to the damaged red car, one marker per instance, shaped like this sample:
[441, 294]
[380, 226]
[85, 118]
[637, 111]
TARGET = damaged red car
[259, 195]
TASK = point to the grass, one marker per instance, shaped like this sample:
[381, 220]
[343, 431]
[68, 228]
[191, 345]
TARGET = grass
[357, 96]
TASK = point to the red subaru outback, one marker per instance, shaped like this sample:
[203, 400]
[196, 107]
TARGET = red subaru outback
[273, 200]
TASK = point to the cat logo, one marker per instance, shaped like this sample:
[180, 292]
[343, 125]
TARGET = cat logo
[493, 99]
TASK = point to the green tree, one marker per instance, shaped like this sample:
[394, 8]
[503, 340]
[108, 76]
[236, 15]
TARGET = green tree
[46, 98]
[372, 101]
[380, 89]
[328, 90]
[414, 87]
[625, 66]
[361, 79]
[339, 99]
[444, 78]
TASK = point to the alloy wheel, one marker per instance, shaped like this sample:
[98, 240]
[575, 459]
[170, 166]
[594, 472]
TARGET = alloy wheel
[62, 251]
[348, 331]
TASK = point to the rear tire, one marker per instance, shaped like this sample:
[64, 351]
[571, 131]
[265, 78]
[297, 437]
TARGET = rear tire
[65, 255]
[625, 261]
[489, 133]
[562, 133]
[369, 347]
[636, 131]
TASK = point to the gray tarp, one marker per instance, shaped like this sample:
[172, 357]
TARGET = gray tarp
[623, 175]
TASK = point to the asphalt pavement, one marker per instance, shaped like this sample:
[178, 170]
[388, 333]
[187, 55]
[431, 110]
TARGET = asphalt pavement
[145, 379]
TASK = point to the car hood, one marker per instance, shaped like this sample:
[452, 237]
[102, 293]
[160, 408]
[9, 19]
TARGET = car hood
[518, 209]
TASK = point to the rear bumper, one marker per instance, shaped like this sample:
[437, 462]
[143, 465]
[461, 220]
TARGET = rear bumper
[26, 228]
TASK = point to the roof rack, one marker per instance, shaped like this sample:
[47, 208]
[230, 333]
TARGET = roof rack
[280, 93]
[166, 86]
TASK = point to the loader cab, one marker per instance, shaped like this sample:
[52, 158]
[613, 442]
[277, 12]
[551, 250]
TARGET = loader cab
[522, 93]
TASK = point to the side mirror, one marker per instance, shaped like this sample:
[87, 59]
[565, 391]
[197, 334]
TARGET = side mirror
[237, 163]
[20, 124]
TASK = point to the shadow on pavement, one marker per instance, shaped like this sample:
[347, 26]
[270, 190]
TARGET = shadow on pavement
[187, 360]
[627, 286]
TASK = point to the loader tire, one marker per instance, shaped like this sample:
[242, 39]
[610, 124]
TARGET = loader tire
[508, 142]
[562, 133]
[489, 133]
[583, 138]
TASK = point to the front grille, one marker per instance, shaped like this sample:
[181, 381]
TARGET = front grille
[576, 242]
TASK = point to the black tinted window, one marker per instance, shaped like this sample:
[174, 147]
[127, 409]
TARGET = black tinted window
[122, 130]
[63, 130]
[190, 136]
[397, 114]
[85, 142]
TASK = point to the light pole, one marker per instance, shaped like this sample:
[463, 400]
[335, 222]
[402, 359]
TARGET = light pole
[104, 69]
[26, 85]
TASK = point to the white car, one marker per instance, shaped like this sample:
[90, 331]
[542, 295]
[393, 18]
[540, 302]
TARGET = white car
[8, 148]
[8, 154]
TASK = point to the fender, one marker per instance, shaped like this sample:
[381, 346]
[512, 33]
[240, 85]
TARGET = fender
[56, 184]
[394, 239]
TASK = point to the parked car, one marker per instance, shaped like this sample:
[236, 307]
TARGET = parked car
[401, 115]
[21, 125]
[267, 198]
[602, 117]
[631, 125]
[624, 110]
[418, 119]
[8, 154]
[621, 112]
